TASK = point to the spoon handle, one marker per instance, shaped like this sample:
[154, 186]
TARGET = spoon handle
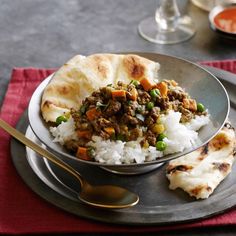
[43, 152]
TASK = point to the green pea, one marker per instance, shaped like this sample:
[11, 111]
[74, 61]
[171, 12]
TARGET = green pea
[161, 145]
[135, 82]
[154, 93]
[161, 137]
[200, 107]
[61, 119]
[150, 105]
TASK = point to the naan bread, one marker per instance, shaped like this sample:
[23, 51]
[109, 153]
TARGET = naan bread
[80, 76]
[200, 172]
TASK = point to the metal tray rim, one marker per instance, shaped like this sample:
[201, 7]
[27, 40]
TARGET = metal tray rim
[145, 215]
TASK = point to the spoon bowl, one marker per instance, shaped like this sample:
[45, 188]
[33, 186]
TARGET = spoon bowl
[107, 196]
[102, 196]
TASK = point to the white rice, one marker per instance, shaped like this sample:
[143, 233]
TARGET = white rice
[64, 132]
[179, 137]
[118, 152]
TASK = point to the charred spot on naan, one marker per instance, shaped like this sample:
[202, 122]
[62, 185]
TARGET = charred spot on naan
[227, 125]
[99, 63]
[73, 73]
[172, 168]
[63, 89]
[102, 69]
[199, 189]
[222, 166]
[47, 104]
[204, 150]
[220, 141]
[134, 68]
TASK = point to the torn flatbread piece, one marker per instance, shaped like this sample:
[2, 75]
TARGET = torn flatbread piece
[81, 75]
[200, 172]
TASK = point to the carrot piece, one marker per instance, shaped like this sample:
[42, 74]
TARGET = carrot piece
[82, 153]
[147, 84]
[193, 105]
[93, 113]
[118, 94]
[173, 83]
[163, 88]
[110, 130]
[190, 104]
[84, 134]
[186, 103]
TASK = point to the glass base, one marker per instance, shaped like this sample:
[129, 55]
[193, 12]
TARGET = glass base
[204, 5]
[148, 29]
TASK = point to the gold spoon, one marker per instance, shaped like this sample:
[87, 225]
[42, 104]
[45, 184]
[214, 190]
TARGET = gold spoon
[103, 196]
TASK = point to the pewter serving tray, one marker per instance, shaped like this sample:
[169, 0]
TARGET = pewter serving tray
[158, 204]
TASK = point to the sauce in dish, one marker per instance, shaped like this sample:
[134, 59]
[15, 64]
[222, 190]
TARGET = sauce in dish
[226, 20]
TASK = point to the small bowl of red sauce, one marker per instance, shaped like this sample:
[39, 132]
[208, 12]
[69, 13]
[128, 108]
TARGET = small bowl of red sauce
[223, 19]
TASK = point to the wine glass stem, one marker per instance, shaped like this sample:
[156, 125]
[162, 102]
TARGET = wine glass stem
[167, 15]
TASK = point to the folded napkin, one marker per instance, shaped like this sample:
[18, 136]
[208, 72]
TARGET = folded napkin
[22, 211]
[229, 65]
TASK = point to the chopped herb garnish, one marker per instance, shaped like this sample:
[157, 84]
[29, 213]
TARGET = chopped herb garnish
[101, 105]
[120, 137]
[91, 151]
[83, 109]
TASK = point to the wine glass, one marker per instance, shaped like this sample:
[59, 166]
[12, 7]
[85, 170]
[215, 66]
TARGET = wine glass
[168, 26]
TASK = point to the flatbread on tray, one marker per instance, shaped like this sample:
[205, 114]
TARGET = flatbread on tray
[81, 75]
[201, 171]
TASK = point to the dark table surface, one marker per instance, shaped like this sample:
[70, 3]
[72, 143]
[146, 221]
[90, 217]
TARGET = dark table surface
[46, 33]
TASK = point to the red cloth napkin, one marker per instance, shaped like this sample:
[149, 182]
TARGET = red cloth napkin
[229, 65]
[22, 211]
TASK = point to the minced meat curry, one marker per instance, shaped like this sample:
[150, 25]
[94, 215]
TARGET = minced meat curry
[128, 112]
